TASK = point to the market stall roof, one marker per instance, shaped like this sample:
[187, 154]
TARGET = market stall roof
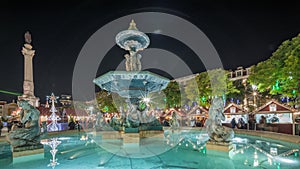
[193, 112]
[233, 108]
[169, 113]
[44, 111]
[273, 107]
[77, 112]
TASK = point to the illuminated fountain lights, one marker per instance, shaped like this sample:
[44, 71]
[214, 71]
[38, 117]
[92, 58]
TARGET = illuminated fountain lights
[272, 156]
[187, 140]
[53, 143]
[53, 126]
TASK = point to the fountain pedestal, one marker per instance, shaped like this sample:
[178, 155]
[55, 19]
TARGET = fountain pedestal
[152, 134]
[27, 150]
[131, 138]
[219, 149]
[110, 135]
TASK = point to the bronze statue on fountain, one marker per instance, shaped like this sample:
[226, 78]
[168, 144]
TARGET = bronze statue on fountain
[27, 135]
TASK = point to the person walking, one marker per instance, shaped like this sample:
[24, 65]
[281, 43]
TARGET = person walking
[9, 125]
[299, 129]
[1, 126]
[233, 123]
[78, 126]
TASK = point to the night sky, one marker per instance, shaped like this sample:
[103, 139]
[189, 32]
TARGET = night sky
[243, 33]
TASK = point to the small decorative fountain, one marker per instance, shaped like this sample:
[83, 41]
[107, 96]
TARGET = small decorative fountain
[220, 136]
[53, 126]
[213, 124]
[53, 143]
[173, 136]
[174, 122]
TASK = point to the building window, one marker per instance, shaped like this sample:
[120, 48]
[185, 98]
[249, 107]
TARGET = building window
[198, 111]
[248, 71]
[232, 110]
[272, 107]
[239, 73]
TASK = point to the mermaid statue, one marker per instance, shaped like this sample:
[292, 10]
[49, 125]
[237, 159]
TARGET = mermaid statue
[28, 132]
[213, 124]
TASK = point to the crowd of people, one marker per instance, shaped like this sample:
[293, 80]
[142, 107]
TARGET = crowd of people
[241, 124]
[88, 123]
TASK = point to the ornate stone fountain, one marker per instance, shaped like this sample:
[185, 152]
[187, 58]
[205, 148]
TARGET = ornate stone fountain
[133, 84]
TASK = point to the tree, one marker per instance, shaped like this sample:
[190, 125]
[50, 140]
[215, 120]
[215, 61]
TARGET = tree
[213, 83]
[199, 89]
[280, 75]
[172, 95]
[243, 89]
[191, 90]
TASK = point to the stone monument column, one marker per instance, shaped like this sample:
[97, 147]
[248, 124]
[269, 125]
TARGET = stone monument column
[28, 85]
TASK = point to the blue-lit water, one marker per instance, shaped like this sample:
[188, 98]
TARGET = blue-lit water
[188, 151]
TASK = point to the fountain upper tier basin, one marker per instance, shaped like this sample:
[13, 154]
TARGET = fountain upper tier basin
[132, 40]
[131, 84]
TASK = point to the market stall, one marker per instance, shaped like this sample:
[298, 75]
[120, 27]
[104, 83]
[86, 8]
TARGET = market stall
[197, 116]
[236, 112]
[167, 116]
[275, 117]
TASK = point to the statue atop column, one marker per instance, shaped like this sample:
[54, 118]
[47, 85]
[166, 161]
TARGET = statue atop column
[27, 37]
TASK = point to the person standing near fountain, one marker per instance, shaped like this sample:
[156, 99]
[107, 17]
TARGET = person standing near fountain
[1, 126]
[9, 125]
[233, 123]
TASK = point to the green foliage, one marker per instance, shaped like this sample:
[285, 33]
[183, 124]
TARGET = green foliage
[280, 75]
[142, 106]
[172, 95]
[106, 102]
[209, 84]
[191, 91]
[218, 81]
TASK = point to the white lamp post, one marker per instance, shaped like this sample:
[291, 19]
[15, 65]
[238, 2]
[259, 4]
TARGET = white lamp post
[254, 87]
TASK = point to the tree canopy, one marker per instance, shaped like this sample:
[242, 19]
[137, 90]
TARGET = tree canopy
[172, 95]
[209, 84]
[280, 75]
